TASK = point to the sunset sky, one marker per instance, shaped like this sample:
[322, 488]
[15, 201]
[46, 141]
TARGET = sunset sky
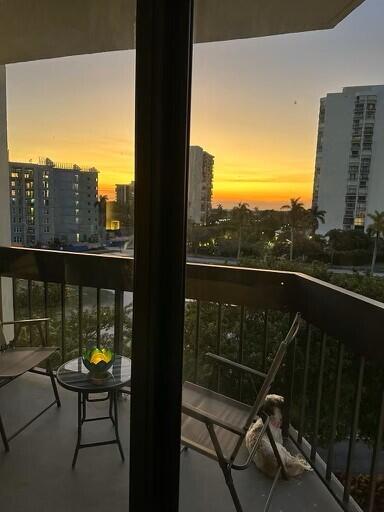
[254, 107]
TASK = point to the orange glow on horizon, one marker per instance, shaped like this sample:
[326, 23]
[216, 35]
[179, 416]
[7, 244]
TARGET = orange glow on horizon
[255, 105]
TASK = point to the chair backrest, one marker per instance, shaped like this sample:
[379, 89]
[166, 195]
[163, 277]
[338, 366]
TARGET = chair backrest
[273, 369]
[269, 379]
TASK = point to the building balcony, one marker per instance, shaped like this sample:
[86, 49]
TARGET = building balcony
[331, 381]
[38, 471]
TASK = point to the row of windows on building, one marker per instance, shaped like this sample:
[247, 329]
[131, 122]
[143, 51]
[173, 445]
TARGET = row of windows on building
[29, 173]
[358, 171]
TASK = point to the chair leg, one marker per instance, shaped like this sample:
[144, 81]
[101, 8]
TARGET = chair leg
[53, 382]
[276, 453]
[224, 468]
[231, 486]
[3, 435]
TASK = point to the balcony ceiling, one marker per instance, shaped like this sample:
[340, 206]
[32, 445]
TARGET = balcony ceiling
[41, 29]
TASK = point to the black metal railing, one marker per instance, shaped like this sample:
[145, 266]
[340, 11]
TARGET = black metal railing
[332, 379]
[82, 295]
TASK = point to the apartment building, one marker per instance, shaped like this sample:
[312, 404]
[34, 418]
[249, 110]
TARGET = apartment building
[51, 201]
[125, 193]
[349, 167]
[201, 166]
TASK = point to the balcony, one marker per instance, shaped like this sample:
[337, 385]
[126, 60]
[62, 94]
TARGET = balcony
[331, 380]
[38, 468]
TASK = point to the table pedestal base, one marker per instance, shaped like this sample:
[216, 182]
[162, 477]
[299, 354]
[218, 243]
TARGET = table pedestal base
[82, 399]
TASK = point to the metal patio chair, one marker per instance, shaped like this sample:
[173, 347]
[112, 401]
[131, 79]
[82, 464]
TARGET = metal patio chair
[15, 361]
[215, 425]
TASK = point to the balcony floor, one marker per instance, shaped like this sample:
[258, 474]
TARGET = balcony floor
[36, 475]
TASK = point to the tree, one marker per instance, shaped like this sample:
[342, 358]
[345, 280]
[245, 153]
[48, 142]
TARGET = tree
[217, 214]
[101, 208]
[340, 240]
[316, 217]
[240, 216]
[377, 229]
[295, 215]
[55, 244]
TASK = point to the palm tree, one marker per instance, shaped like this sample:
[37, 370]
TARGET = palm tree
[316, 217]
[240, 216]
[377, 228]
[220, 211]
[216, 214]
[295, 215]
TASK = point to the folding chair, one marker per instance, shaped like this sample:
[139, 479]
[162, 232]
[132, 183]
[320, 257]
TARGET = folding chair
[15, 361]
[216, 426]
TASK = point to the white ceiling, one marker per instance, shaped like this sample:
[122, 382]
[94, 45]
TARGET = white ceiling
[40, 29]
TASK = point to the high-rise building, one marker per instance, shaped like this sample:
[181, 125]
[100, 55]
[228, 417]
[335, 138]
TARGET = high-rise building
[349, 168]
[200, 184]
[6, 296]
[125, 193]
[51, 201]
[120, 213]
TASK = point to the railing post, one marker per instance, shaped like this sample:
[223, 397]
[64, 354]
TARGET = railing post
[218, 344]
[265, 336]
[376, 456]
[241, 349]
[119, 318]
[354, 430]
[46, 312]
[319, 394]
[335, 414]
[288, 384]
[196, 348]
[62, 304]
[29, 292]
[98, 317]
[305, 383]
[80, 315]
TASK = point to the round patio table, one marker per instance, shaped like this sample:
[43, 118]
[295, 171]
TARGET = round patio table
[74, 376]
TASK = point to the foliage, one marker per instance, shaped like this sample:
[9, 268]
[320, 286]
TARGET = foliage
[352, 258]
[286, 234]
[340, 240]
[70, 338]
[240, 217]
[360, 486]
[316, 216]
[363, 284]
[256, 233]
[295, 211]
[377, 226]
[377, 229]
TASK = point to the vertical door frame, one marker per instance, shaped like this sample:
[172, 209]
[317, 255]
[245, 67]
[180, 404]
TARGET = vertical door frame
[163, 89]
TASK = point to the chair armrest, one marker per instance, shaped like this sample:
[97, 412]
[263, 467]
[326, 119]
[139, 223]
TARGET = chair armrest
[28, 321]
[223, 361]
[251, 454]
[19, 324]
[205, 417]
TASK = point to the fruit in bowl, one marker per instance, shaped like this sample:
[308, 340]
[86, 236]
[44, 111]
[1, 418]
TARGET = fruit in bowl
[98, 361]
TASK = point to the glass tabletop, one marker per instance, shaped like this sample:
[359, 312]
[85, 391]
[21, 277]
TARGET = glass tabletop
[74, 375]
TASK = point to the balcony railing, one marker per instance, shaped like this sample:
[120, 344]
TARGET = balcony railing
[332, 380]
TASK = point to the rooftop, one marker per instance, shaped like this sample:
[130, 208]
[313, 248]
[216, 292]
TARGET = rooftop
[48, 163]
